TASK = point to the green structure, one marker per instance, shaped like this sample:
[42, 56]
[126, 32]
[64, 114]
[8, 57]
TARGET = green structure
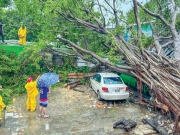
[131, 81]
[11, 49]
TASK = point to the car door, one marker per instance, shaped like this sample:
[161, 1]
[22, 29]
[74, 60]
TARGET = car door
[96, 82]
[93, 82]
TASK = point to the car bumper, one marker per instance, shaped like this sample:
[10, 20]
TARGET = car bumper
[107, 96]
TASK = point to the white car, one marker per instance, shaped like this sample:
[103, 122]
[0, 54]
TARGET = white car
[109, 86]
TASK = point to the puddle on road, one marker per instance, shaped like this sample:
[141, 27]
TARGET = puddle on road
[47, 127]
[73, 113]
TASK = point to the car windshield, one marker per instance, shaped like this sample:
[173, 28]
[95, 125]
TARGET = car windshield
[112, 80]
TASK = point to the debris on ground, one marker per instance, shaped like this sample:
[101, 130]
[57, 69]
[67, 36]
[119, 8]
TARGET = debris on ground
[154, 105]
[160, 124]
[73, 85]
[127, 124]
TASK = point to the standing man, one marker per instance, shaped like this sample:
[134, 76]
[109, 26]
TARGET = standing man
[22, 35]
[32, 92]
[43, 101]
[2, 32]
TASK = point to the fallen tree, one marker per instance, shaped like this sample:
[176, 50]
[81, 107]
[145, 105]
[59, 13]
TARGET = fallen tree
[157, 71]
[161, 74]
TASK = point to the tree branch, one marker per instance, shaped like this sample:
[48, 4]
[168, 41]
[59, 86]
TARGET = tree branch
[104, 21]
[62, 52]
[167, 43]
[115, 13]
[153, 14]
[138, 24]
[160, 7]
[175, 8]
[84, 58]
[108, 64]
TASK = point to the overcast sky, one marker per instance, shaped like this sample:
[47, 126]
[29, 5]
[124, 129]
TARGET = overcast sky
[125, 7]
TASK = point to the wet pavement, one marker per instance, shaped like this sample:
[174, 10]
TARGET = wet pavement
[75, 113]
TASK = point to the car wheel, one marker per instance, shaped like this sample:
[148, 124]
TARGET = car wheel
[99, 96]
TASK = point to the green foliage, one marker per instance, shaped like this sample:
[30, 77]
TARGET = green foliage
[7, 95]
[8, 68]
[30, 15]
[146, 41]
[84, 70]
[112, 53]
[14, 70]
[10, 24]
[66, 68]
[12, 21]
[84, 81]
[4, 3]
[31, 59]
[120, 30]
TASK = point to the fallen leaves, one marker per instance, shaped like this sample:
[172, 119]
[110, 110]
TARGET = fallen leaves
[100, 105]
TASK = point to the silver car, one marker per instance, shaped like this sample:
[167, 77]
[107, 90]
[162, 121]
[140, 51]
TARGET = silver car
[109, 86]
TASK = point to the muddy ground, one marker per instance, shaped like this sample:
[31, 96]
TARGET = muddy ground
[75, 113]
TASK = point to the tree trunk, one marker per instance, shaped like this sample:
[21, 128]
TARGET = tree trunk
[70, 83]
[177, 47]
[73, 85]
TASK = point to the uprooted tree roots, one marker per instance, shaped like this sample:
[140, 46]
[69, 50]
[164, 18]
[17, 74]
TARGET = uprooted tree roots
[163, 78]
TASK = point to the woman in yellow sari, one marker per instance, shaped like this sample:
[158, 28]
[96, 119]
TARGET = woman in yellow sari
[2, 106]
[22, 35]
[32, 92]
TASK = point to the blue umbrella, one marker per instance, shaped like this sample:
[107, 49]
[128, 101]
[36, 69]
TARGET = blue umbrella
[47, 79]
